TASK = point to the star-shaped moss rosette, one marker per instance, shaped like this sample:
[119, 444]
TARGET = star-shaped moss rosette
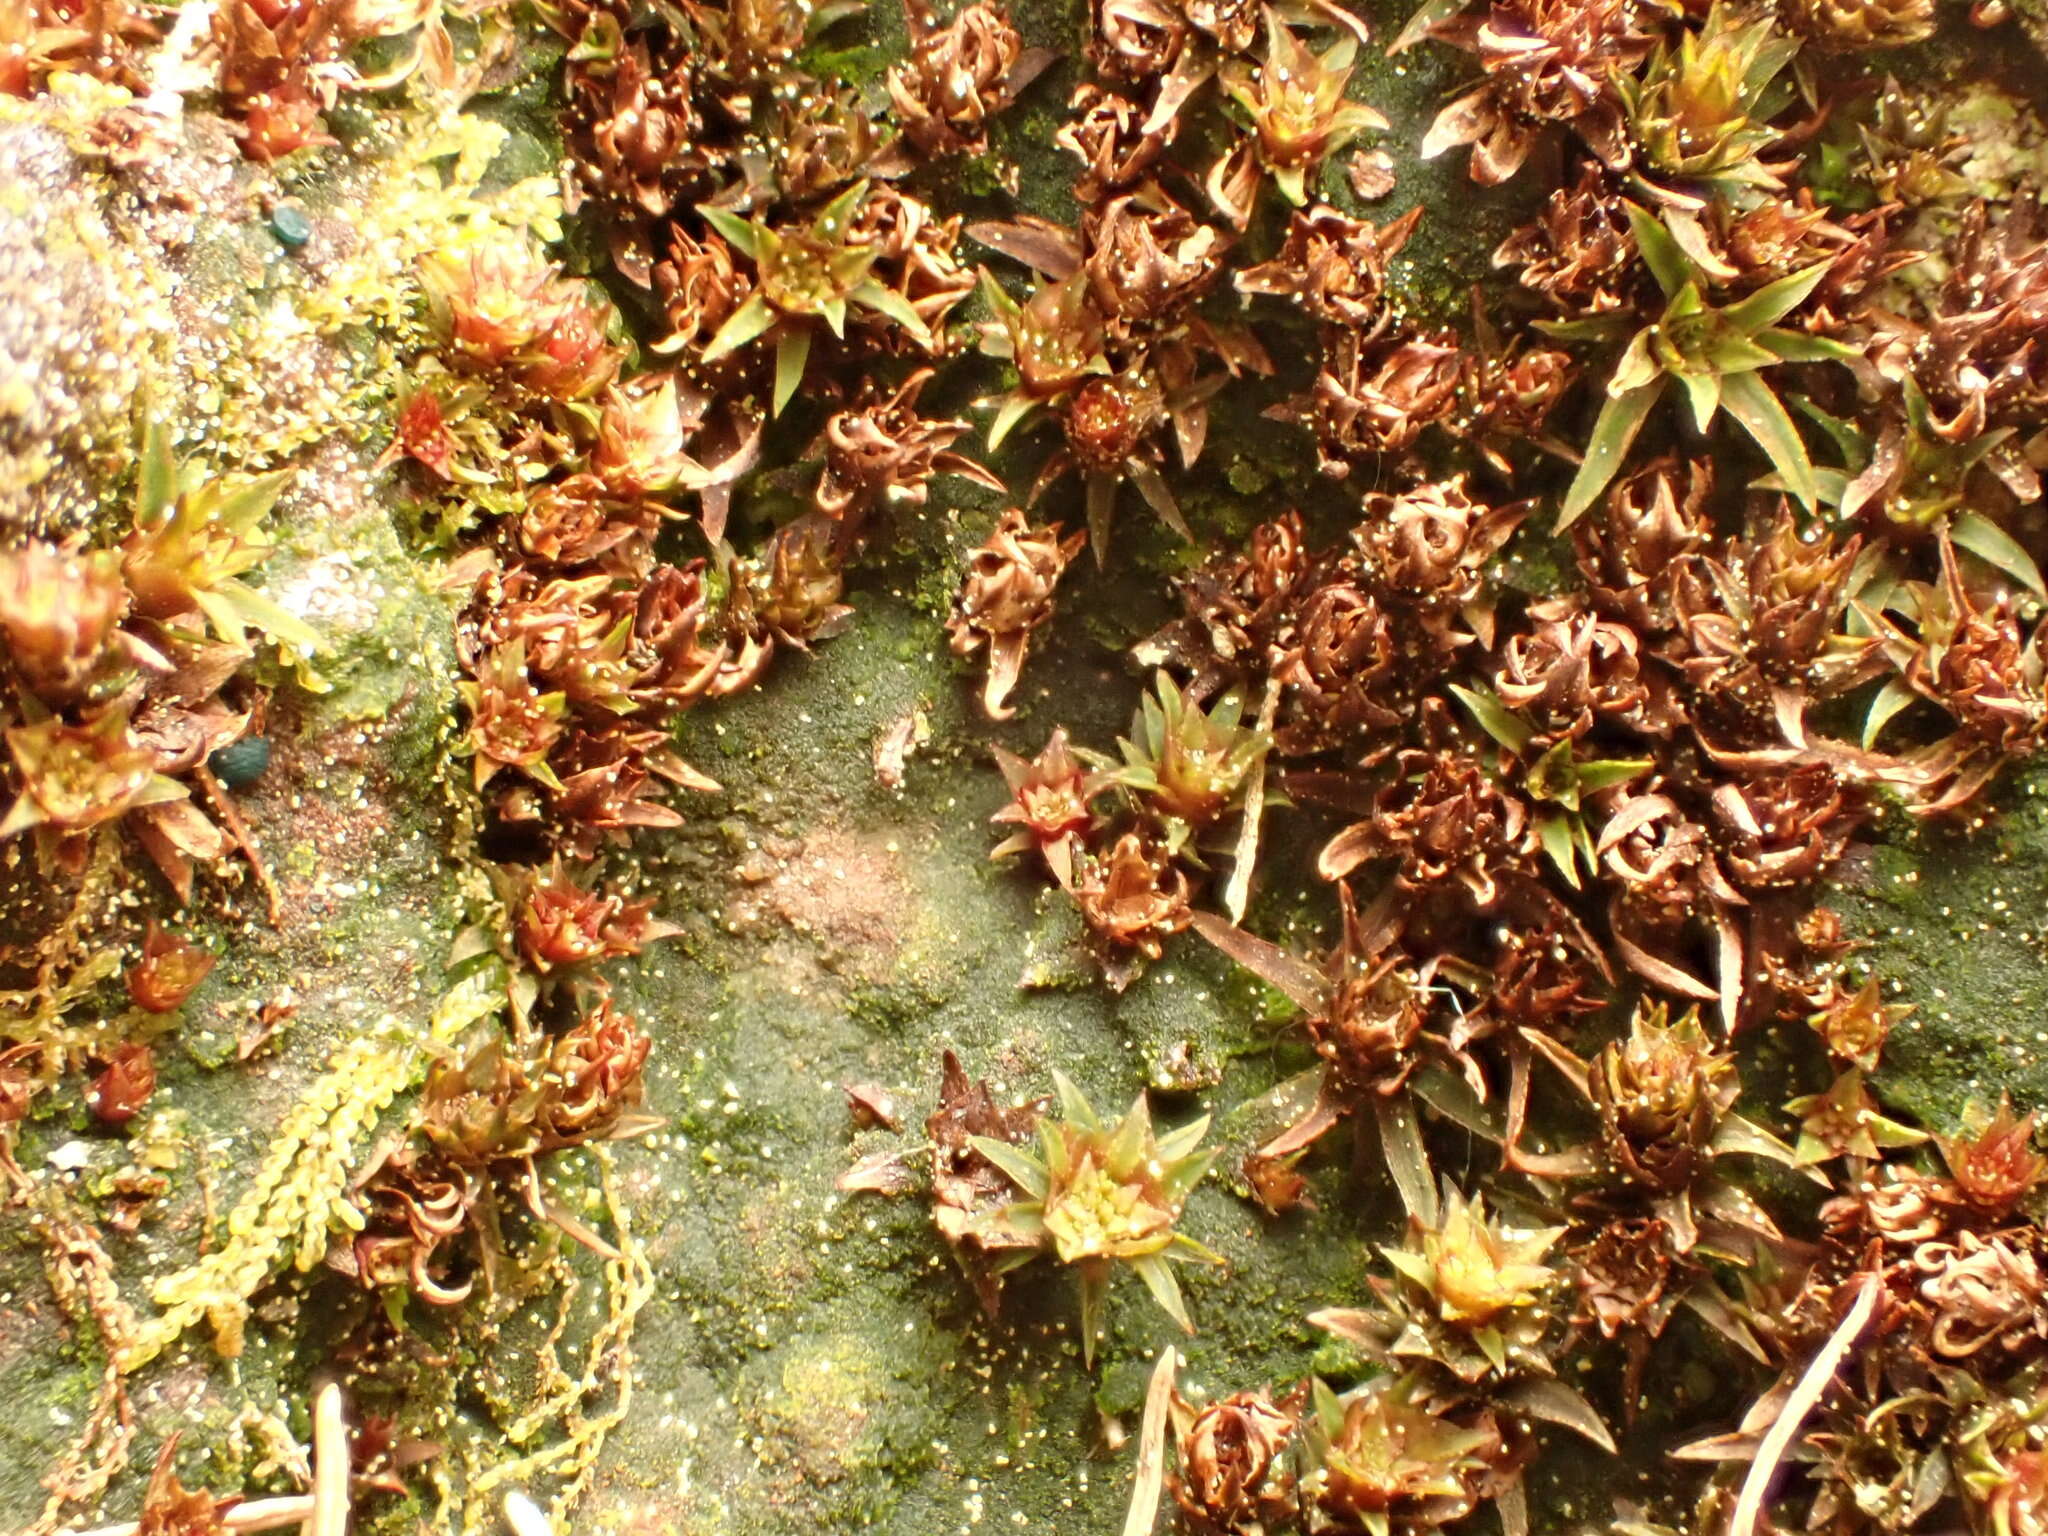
[75, 777]
[1048, 805]
[1701, 109]
[806, 276]
[1477, 1276]
[1718, 354]
[1666, 1099]
[195, 536]
[1472, 1304]
[1295, 100]
[1190, 767]
[1845, 1122]
[1992, 1164]
[1557, 778]
[1100, 1193]
[1388, 1455]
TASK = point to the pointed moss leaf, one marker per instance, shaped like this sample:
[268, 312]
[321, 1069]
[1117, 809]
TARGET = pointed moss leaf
[259, 612]
[1665, 257]
[992, 294]
[1494, 717]
[831, 219]
[1598, 328]
[156, 482]
[1638, 365]
[1711, 1305]
[1015, 407]
[1158, 496]
[792, 352]
[1555, 830]
[1692, 238]
[1101, 502]
[1703, 393]
[1094, 1289]
[1160, 1280]
[1797, 347]
[742, 326]
[1621, 418]
[1750, 401]
[1772, 302]
[1776, 52]
[1133, 1135]
[1074, 1103]
[1993, 545]
[1685, 303]
[1738, 354]
[1493, 1346]
[1328, 1405]
[221, 613]
[1919, 414]
[1735, 1134]
[1022, 1169]
[1188, 1174]
[242, 507]
[736, 230]
[1176, 1145]
[1410, 1266]
[1427, 15]
[1891, 698]
[1451, 1096]
[1407, 1157]
[1303, 984]
[1851, 441]
[891, 303]
[1606, 772]
[1551, 1399]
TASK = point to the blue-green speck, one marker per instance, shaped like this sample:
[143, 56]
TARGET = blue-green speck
[291, 226]
[241, 762]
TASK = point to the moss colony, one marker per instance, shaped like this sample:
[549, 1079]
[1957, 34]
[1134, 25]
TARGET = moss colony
[1152, 765]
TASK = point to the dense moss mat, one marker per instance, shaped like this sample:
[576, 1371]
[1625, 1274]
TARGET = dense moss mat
[799, 1358]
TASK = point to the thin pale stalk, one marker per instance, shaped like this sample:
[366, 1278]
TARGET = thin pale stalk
[1151, 1472]
[330, 1464]
[1804, 1398]
[1237, 893]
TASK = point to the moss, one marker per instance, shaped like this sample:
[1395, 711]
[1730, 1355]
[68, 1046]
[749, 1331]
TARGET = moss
[864, 66]
[809, 1359]
[835, 1409]
[1953, 926]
